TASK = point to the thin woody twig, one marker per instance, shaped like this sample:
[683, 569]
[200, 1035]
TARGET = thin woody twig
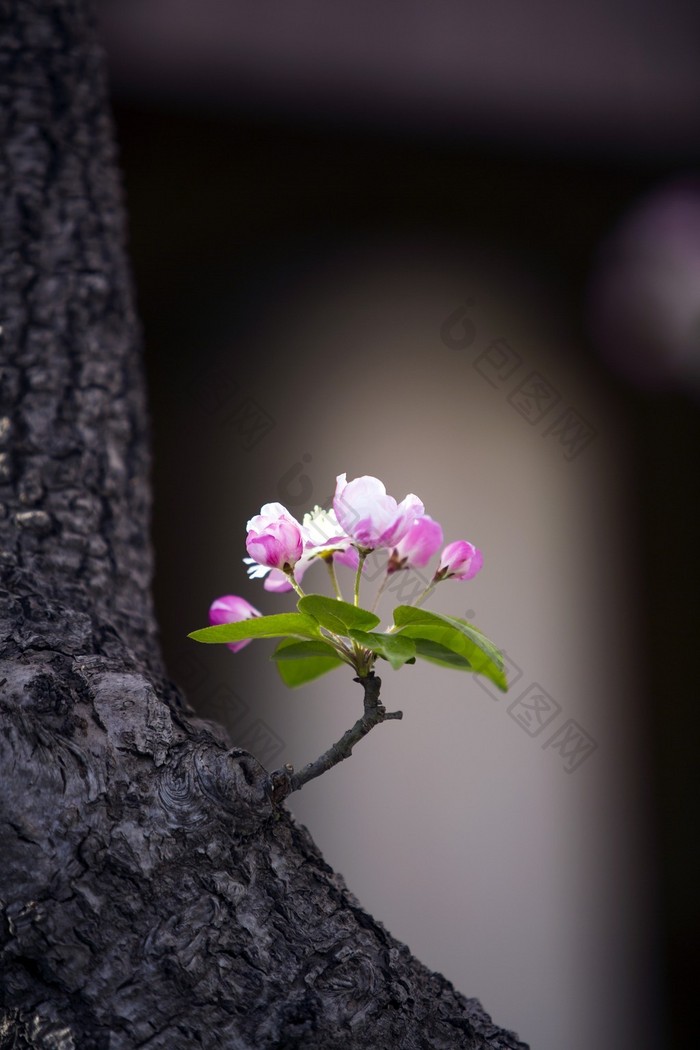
[284, 781]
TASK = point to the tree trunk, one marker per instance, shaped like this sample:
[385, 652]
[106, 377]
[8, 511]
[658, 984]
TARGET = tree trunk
[152, 893]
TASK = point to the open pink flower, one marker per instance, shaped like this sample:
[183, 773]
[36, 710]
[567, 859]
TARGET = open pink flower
[416, 548]
[230, 609]
[460, 560]
[367, 514]
[275, 539]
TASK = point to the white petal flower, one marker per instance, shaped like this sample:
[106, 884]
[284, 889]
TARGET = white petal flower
[255, 570]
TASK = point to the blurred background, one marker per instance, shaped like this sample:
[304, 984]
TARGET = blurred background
[457, 247]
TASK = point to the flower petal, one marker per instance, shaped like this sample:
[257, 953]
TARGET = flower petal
[231, 608]
[417, 546]
[369, 515]
[460, 560]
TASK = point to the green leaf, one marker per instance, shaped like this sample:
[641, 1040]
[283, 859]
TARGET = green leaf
[296, 669]
[440, 654]
[475, 632]
[458, 636]
[291, 650]
[281, 625]
[339, 617]
[392, 647]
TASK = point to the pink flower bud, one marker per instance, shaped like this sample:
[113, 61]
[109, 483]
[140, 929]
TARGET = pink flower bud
[416, 548]
[460, 560]
[231, 609]
[371, 517]
[275, 538]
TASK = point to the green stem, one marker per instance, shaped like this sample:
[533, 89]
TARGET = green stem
[334, 579]
[343, 650]
[295, 585]
[426, 593]
[380, 592]
[361, 555]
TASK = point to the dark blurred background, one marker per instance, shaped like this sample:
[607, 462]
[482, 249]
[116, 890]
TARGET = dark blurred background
[456, 246]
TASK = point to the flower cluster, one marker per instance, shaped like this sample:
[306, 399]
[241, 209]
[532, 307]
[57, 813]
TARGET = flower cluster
[327, 633]
[363, 519]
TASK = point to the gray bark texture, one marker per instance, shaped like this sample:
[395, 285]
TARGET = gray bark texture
[152, 893]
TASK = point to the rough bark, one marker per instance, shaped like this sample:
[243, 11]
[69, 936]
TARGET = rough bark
[152, 893]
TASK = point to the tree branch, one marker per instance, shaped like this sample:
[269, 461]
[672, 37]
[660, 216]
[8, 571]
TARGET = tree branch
[284, 781]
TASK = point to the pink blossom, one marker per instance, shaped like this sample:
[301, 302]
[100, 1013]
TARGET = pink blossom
[417, 547]
[275, 539]
[322, 536]
[460, 560]
[372, 518]
[230, 609]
